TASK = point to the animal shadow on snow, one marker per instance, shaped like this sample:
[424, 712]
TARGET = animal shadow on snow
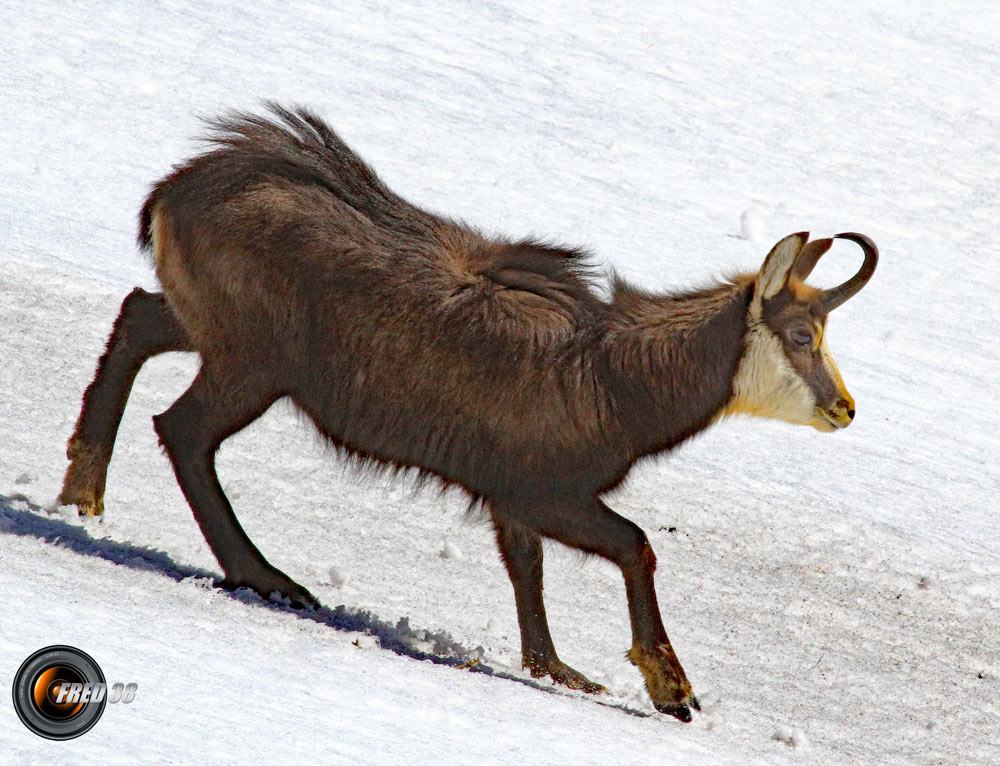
[20, 516]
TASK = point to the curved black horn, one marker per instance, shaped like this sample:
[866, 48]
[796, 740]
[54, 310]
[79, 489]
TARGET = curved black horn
[835, 296]
[808, 256]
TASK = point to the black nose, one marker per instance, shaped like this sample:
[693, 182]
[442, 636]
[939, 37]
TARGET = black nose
[850, 414]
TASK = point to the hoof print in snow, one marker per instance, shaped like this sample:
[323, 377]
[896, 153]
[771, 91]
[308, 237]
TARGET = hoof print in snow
[336, 577]
[791, 736]
[751, 226]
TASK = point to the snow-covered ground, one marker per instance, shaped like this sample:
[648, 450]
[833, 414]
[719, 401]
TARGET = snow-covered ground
[834, 598]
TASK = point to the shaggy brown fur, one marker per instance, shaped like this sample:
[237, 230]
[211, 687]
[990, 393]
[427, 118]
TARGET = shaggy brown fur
[411, 342]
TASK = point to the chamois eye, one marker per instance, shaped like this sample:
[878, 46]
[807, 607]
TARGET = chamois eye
[802, 337]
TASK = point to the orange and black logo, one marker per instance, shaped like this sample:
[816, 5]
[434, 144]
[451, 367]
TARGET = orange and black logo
[60, 692]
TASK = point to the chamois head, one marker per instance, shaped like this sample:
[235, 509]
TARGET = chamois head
[787, 371]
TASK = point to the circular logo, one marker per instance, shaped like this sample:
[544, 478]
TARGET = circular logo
[59, 692]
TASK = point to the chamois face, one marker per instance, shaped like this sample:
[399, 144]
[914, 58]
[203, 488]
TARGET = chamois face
[794, 316]
[787, 371]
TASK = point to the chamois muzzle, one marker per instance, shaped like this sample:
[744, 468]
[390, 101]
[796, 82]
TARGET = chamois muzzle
[836, 296]
[837, 417]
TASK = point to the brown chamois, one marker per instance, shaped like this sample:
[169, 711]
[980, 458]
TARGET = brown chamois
[412, 341]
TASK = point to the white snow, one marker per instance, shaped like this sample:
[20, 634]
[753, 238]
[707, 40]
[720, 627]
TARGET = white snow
[844, 586]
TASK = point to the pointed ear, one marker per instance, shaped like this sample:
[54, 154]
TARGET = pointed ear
[809, 256]
[778, 265]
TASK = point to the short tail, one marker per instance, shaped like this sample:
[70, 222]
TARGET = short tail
[145, 235]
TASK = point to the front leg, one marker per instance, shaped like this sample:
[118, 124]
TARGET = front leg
[521, 549]
[590, 526]
[651, 651]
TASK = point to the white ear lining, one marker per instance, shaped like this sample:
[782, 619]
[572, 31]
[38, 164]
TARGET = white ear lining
[778, 264]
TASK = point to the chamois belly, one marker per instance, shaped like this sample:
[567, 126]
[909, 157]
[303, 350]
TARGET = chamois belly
[487, 427]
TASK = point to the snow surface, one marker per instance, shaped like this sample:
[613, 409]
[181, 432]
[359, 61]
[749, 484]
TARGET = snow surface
[841, 591]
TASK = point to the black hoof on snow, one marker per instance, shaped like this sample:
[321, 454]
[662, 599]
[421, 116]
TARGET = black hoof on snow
[293, 596]
[681, 712]
[306, 603]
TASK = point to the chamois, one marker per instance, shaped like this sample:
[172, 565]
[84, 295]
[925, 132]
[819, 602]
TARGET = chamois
[412, 341]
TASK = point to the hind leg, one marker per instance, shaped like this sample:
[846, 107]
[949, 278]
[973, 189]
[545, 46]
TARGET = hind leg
[209, 412]
[521, 549]
[145, 327]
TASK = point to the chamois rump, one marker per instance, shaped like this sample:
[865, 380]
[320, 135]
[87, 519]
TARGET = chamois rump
[412, 341]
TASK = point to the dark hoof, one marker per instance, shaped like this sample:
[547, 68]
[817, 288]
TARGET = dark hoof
[278, 590]
[87, 501]
[680, 712]
[301, 599]
[575, 680]
[563, 674]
